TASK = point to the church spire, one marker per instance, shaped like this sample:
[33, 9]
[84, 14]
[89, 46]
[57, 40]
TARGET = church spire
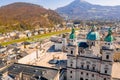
[72, 35]
[72, 38]
[109, 37]
[93, 28]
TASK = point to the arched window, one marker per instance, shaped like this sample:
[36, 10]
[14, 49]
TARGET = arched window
[70, 71]
[87, 74]
[87, 66]
[107, 56]
[92, 75]
[93, 68]
[104, 78]
[82, 66]
[105, 71]
[81, 79]
[72, 40]
[71, 65]
[71, 52]
[92, 43]
[81, 73]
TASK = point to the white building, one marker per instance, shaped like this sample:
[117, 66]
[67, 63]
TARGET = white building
[90, 60]
[60, 43]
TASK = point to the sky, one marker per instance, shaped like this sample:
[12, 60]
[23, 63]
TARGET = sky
[53, 4]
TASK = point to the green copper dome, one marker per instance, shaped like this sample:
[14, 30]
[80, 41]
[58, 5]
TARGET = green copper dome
[109, 37]
[72, 35]
[93, 35]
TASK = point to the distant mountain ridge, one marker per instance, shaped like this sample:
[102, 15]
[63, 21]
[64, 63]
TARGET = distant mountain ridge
[22, 16]
[80, 9]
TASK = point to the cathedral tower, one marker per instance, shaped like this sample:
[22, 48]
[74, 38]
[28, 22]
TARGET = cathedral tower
[71, 56]
[107, 56]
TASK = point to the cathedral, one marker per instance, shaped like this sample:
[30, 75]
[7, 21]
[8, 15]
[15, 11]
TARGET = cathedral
[92, 59]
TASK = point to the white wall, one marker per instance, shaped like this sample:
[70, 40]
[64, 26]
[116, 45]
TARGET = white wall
[58, 46]
[76, 73]
[7, 78]
[31, 57]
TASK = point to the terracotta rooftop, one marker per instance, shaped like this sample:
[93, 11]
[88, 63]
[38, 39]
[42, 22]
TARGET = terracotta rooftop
[116, 56]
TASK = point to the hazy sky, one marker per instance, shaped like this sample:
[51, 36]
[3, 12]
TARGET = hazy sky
[53, 4]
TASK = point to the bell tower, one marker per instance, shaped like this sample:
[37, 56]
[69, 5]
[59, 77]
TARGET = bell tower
[107, 56]
[72, 56]
[108, 47]
[72, 38]
[72, 45]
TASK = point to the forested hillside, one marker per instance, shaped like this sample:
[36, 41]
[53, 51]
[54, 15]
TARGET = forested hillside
[23, 16]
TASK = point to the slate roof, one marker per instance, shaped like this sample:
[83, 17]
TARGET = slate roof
[83, 45]
[44, 72]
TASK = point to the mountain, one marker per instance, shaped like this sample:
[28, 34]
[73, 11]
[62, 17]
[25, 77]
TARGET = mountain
[80, 9]
[22, 16]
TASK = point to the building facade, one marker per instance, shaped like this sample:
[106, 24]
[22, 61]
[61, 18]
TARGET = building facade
[90, 60]
[18, 71]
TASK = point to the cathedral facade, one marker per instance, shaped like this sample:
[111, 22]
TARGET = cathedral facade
[90, 60]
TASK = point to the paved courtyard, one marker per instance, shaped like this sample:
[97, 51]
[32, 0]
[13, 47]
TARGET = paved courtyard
[48, 55]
